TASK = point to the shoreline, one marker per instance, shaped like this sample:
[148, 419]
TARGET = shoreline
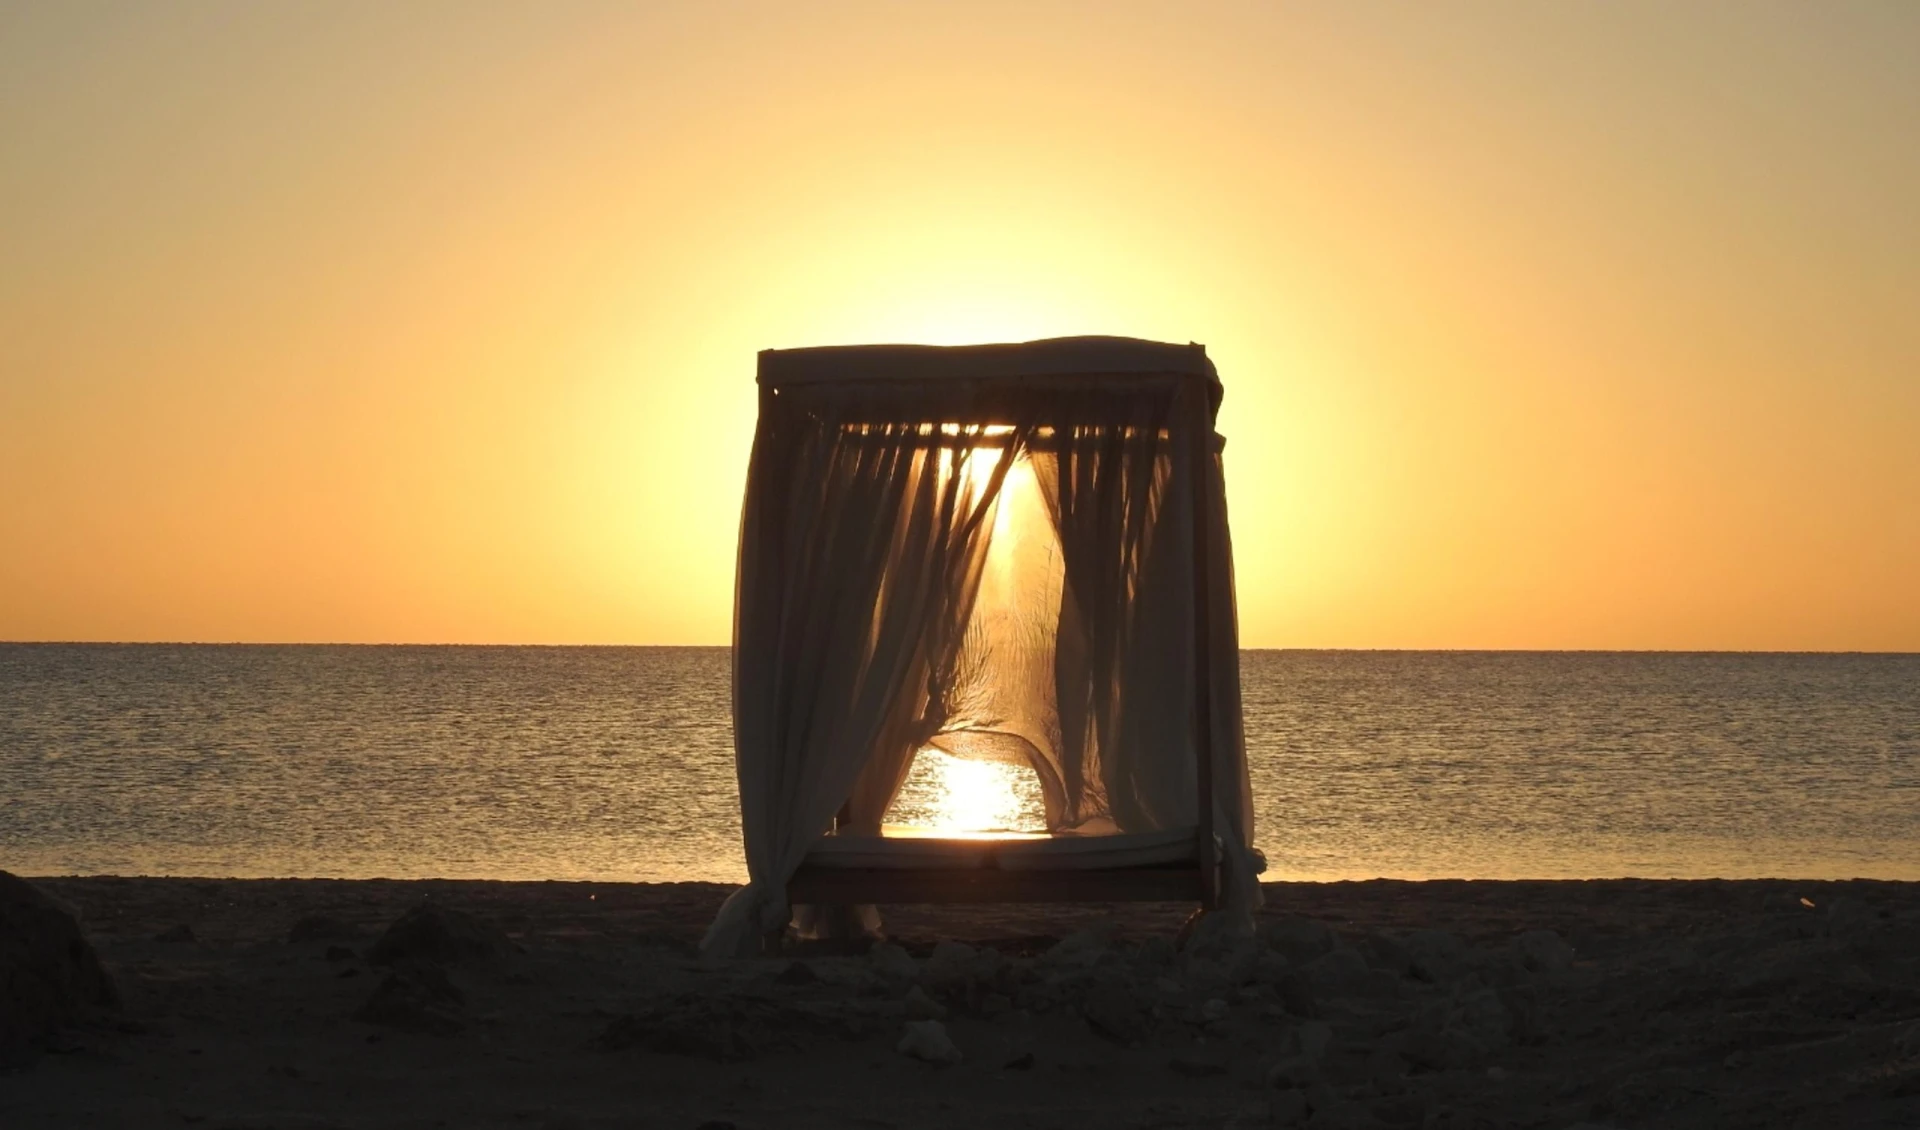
[246, 909]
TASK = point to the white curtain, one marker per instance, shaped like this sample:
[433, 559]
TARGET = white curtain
[1127, 663]
[860, 549]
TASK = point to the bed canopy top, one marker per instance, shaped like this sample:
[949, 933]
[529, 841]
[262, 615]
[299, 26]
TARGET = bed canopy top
[1054, 382]
[1081, 357]
[1015, 553]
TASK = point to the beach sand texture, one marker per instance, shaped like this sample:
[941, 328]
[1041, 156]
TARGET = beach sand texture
[298, 1004]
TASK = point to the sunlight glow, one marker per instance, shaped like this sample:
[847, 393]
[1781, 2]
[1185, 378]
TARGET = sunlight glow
[956, 796]
[1018, 489]
[980, 796]
[463, 349]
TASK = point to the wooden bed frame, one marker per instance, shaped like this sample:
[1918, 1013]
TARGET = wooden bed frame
[902, 886]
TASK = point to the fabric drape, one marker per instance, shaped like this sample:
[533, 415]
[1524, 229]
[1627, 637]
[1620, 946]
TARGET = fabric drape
[997, 701]
[1122, 493]
[1104, 485]
[860, 550]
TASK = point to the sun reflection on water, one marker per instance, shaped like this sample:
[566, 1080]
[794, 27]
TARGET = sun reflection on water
[955, 795]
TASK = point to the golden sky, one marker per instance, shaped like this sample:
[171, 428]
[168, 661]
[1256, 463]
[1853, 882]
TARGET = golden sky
[1562, 326]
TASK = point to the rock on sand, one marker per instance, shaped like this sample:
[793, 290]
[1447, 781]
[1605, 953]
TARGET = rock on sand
[928, 1040]
[49, 975]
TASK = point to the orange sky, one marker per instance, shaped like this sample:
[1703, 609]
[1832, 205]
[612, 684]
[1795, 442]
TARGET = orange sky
[1573, 325]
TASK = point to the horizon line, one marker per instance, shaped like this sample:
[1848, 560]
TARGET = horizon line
[728, 646]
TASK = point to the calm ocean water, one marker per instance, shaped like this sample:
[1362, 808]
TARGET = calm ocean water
[616, 763]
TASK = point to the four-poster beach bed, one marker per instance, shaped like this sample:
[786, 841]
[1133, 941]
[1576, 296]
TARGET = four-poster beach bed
[1011, 553]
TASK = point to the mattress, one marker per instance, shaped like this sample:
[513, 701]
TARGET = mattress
[899, 848]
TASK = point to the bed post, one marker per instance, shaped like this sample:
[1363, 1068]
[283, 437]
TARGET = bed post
[774, 940]
[1202, 447]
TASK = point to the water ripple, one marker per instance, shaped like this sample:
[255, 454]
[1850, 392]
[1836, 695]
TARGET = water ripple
[616, 763]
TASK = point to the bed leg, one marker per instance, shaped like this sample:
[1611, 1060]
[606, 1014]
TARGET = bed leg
[774, 940]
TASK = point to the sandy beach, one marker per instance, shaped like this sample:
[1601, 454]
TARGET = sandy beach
[291, 1003]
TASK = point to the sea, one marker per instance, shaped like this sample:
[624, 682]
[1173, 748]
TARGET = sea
[616, 763]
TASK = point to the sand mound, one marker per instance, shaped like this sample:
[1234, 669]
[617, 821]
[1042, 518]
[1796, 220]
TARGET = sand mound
[49, 975]
[438, 934]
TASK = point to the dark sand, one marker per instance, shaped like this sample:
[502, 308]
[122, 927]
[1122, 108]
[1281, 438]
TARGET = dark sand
[1440, 1004]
